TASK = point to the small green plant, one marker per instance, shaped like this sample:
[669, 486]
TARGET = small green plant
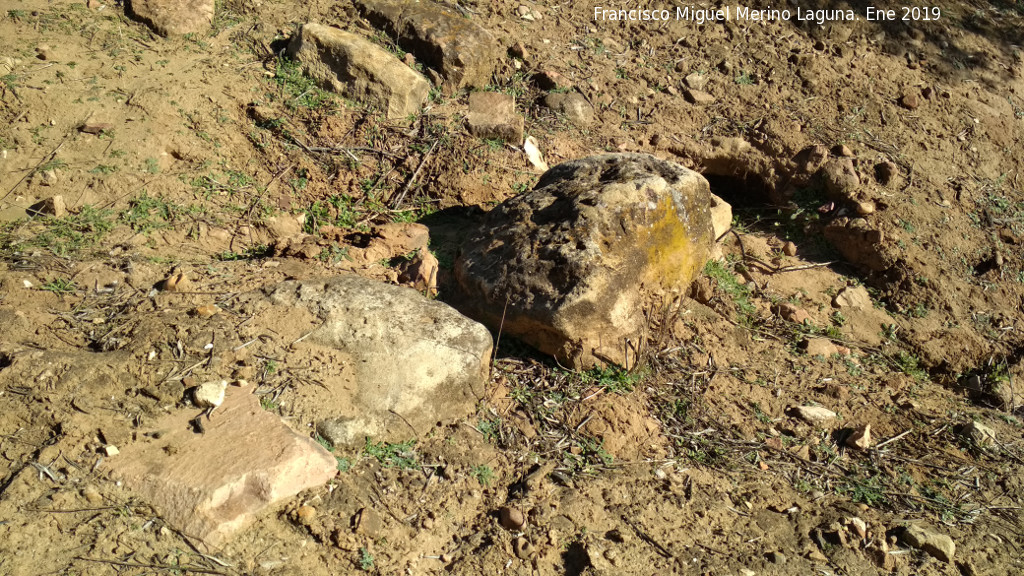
[744, 78]
[612, 379]
[324, 442]
[392, 455]
[60, 286]
[152, 166]
[866, 490]
[731, 287]
[490, 429]
[103, 169]
[269, 366]
[344, 464]
[483, 474]
[298, 90]
[69, 235]
[365, 560]
[910, 365]
[268, 403]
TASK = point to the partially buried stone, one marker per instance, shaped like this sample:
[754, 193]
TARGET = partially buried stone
[174, 17]
[511, 518]
[493, 115]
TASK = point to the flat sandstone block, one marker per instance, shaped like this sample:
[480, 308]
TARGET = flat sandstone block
[493, 115]
[211, 485]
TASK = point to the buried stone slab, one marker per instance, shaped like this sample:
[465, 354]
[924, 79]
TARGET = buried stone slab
[571, 266]
[174, 17]
[416, 361]
[359, 69]
[213, 484]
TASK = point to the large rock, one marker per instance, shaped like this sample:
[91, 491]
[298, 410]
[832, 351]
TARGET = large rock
[210, 485]
[416, 361]
[569, 266]
[359, 69]
[462, 53]
[174, 17]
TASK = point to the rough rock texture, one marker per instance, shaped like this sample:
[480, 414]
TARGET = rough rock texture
[174, 17]
[462, 53]
[359, 69]
[416, 361]
[211, 485]
[574, 106]
[938, 545]
[569, 264]
[493, 115]
[861, 243]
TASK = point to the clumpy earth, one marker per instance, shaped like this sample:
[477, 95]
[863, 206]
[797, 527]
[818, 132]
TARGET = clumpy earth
[874, 272]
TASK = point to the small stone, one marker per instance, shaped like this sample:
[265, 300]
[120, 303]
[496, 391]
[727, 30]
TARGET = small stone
[206, 311]
[177, 281]
[511, 518]
[884, 172]
[793, 313]
[747, 572]
[209, 394]
[865, 208]
[696, 81]
[522, 548]
[978, 433]
[859, 526]
[92, 495]
[518, 50]
[368, 522]
[44, 52]
[493, 115]
[938, 545]
[860, 438]
[240, 383]
[777, 558]
[574, 106]
[814, 415]
[95, 127]
[910, 100]
[551, 80]
[48, 178]
[698, 97]
[110, 450]
[789, 249]
[819, 347]
[54, 206]
[721, 216]
[305, 515]
[853, 297]
[843, 150]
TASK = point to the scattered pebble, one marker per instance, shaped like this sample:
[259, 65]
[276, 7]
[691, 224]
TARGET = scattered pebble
[789, 249]
[865, 208]
[210, 394]
[110, 450]
[910, 100]
[305, 515]
[814, 415]
[511, 518]
[853, 297]
[860, 438]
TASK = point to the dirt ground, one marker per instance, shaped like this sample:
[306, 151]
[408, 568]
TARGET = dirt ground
[208, 152]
